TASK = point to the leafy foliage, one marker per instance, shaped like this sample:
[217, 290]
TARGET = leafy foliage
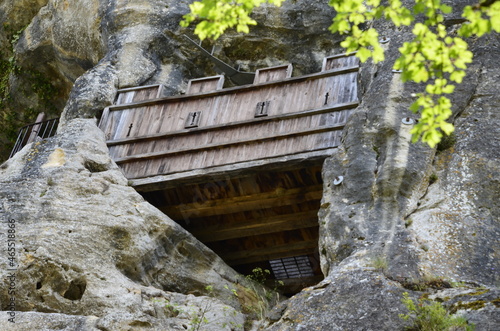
[429, 315]
[218, 15]
[434, 56]
[259, 275]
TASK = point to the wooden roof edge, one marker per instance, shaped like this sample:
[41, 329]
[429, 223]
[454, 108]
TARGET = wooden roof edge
[240, 169]
[280, 66]
[135, 88]
[302, 113]
[337, 56]
[317, 75]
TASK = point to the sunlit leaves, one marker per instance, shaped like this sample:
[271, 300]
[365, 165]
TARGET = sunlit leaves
[481, 20]
[351, 14]
[366, 43]
[398, 14]
[433, 56]
[216, 16]
[432, 123]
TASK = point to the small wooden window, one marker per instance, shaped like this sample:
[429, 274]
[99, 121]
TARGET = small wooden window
[262, 108]
[193, 119]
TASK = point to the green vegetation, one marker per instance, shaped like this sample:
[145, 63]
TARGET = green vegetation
[427, 282]
[472, 305]
[264, 302]
[255, 303]
[379, 263]
[259, 275]
[218, 15]
[198, 316]
[437, 56]
[38, 86]
[433, 178]
[428, 315]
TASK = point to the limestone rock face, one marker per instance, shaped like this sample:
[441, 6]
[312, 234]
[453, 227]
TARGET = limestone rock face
[93, 255]
[405, 211]
[89, 245]
[419, 209]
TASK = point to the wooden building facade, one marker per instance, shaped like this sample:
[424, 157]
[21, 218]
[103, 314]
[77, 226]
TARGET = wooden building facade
[240, 167]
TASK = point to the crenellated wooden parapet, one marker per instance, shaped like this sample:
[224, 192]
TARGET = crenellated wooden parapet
[278, 115]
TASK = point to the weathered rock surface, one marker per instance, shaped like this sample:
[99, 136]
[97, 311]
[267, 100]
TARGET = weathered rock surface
[94, 255]
[89, 245]
[403, 208]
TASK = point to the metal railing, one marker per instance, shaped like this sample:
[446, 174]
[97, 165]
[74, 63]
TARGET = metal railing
[30, 132]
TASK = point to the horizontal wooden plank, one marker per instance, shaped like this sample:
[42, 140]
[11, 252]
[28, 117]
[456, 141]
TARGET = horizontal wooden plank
[196, 176]
[304, 113]
[259, 226]
[136, 88]
[236, 89]
[147, 156]
[269, 253]
[275, 198]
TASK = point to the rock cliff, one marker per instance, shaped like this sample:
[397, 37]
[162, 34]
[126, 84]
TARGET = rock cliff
[93, 255]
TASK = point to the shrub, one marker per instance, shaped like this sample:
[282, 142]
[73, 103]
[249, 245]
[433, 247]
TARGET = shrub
[428, 315]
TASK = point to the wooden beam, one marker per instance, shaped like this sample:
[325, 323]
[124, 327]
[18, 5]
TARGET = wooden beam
[255, 227]
[241, 169]
[138, 88]
[146, 156]
[269, 253]
[298, 114]
[279, 197]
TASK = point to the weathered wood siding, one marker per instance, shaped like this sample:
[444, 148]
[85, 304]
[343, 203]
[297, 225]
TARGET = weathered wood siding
[339, 61]
[136, 94]
[301, 114]
[273, 74]
[207, 84]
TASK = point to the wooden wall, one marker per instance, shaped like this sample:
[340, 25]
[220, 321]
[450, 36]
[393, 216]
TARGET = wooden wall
[252, 122]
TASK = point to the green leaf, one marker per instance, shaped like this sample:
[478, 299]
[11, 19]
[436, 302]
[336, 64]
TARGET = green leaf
[363, 54]
[447, 128]
[457, 76]
[218, 15]
[446, 9]
[449, 89]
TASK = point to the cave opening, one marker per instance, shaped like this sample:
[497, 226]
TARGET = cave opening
[240, 167]
[258, 221]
